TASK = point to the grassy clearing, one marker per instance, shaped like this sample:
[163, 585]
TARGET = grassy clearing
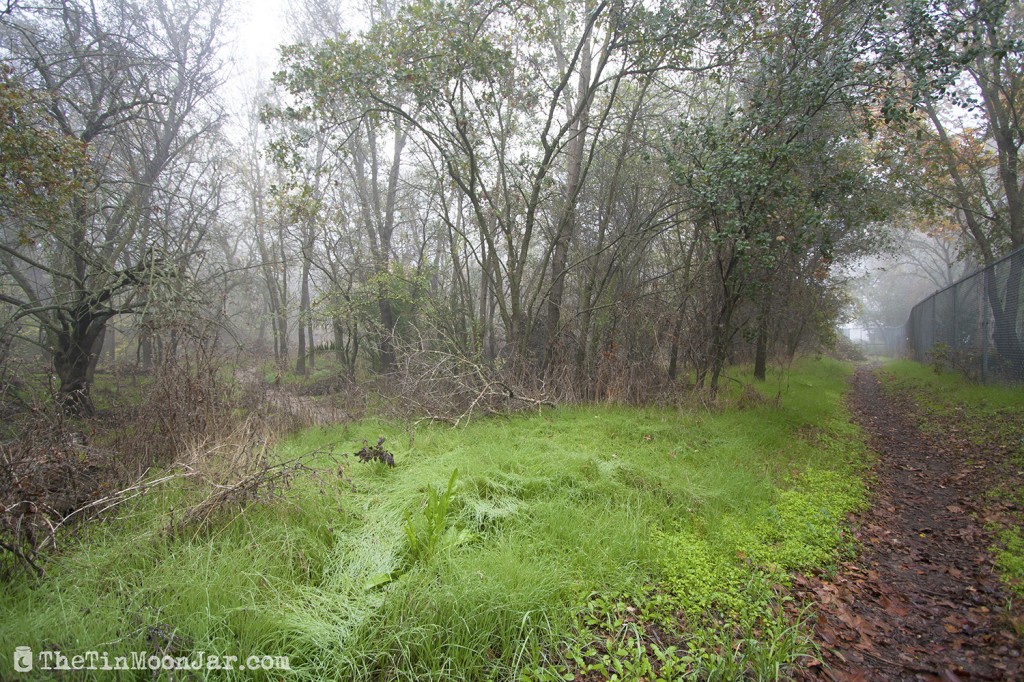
[567, 538]
[990, 417]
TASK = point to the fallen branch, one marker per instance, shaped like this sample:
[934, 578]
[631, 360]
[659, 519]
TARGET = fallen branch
[105, 504]
[266, 481]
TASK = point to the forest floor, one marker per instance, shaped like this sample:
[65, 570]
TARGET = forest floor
[924, 601]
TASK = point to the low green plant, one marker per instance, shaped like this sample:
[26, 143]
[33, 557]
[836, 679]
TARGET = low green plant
[1010, 558]
[423, 532]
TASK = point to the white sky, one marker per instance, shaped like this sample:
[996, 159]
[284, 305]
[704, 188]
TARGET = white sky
[256, 28]
[260, 28]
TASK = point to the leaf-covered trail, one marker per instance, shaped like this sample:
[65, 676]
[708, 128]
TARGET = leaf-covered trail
[922, 602]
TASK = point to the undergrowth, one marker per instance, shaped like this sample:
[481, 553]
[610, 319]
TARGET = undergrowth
[622, 542]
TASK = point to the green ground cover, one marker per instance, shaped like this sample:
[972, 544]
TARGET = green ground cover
[628, 542]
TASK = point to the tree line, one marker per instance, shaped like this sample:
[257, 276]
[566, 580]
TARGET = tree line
[596, 197]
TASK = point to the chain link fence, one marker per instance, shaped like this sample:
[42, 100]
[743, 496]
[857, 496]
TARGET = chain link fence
[976, 325]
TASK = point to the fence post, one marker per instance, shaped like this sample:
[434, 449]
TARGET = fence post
[955, 337]
[984, 328]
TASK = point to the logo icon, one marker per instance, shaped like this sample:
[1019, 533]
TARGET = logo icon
[23, 659]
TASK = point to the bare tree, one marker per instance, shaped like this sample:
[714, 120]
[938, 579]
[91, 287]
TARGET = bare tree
[133, 85]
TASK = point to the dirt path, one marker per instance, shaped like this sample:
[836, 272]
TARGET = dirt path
[305, 409]
[922, 602]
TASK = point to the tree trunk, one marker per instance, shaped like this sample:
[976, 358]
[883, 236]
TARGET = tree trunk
[761, 353]
[719, 352]
[146, 351]
[387, 332]
[312, 343]
[1005, 314]
[378, 219]
[339, 339]
[794, 338]
[110, 340]
[282, 311]
[722, 333]
[673, 360]
[353, 352]
[97, 351]
[261, 335]
[761, 349]
[481, 332]
[300, 361]
[74, 361]
[567, 224]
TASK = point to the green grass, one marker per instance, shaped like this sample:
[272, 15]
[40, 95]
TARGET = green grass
[567, 533]
[949, 394]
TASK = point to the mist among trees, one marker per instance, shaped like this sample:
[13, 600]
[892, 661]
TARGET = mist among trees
[577, 200]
